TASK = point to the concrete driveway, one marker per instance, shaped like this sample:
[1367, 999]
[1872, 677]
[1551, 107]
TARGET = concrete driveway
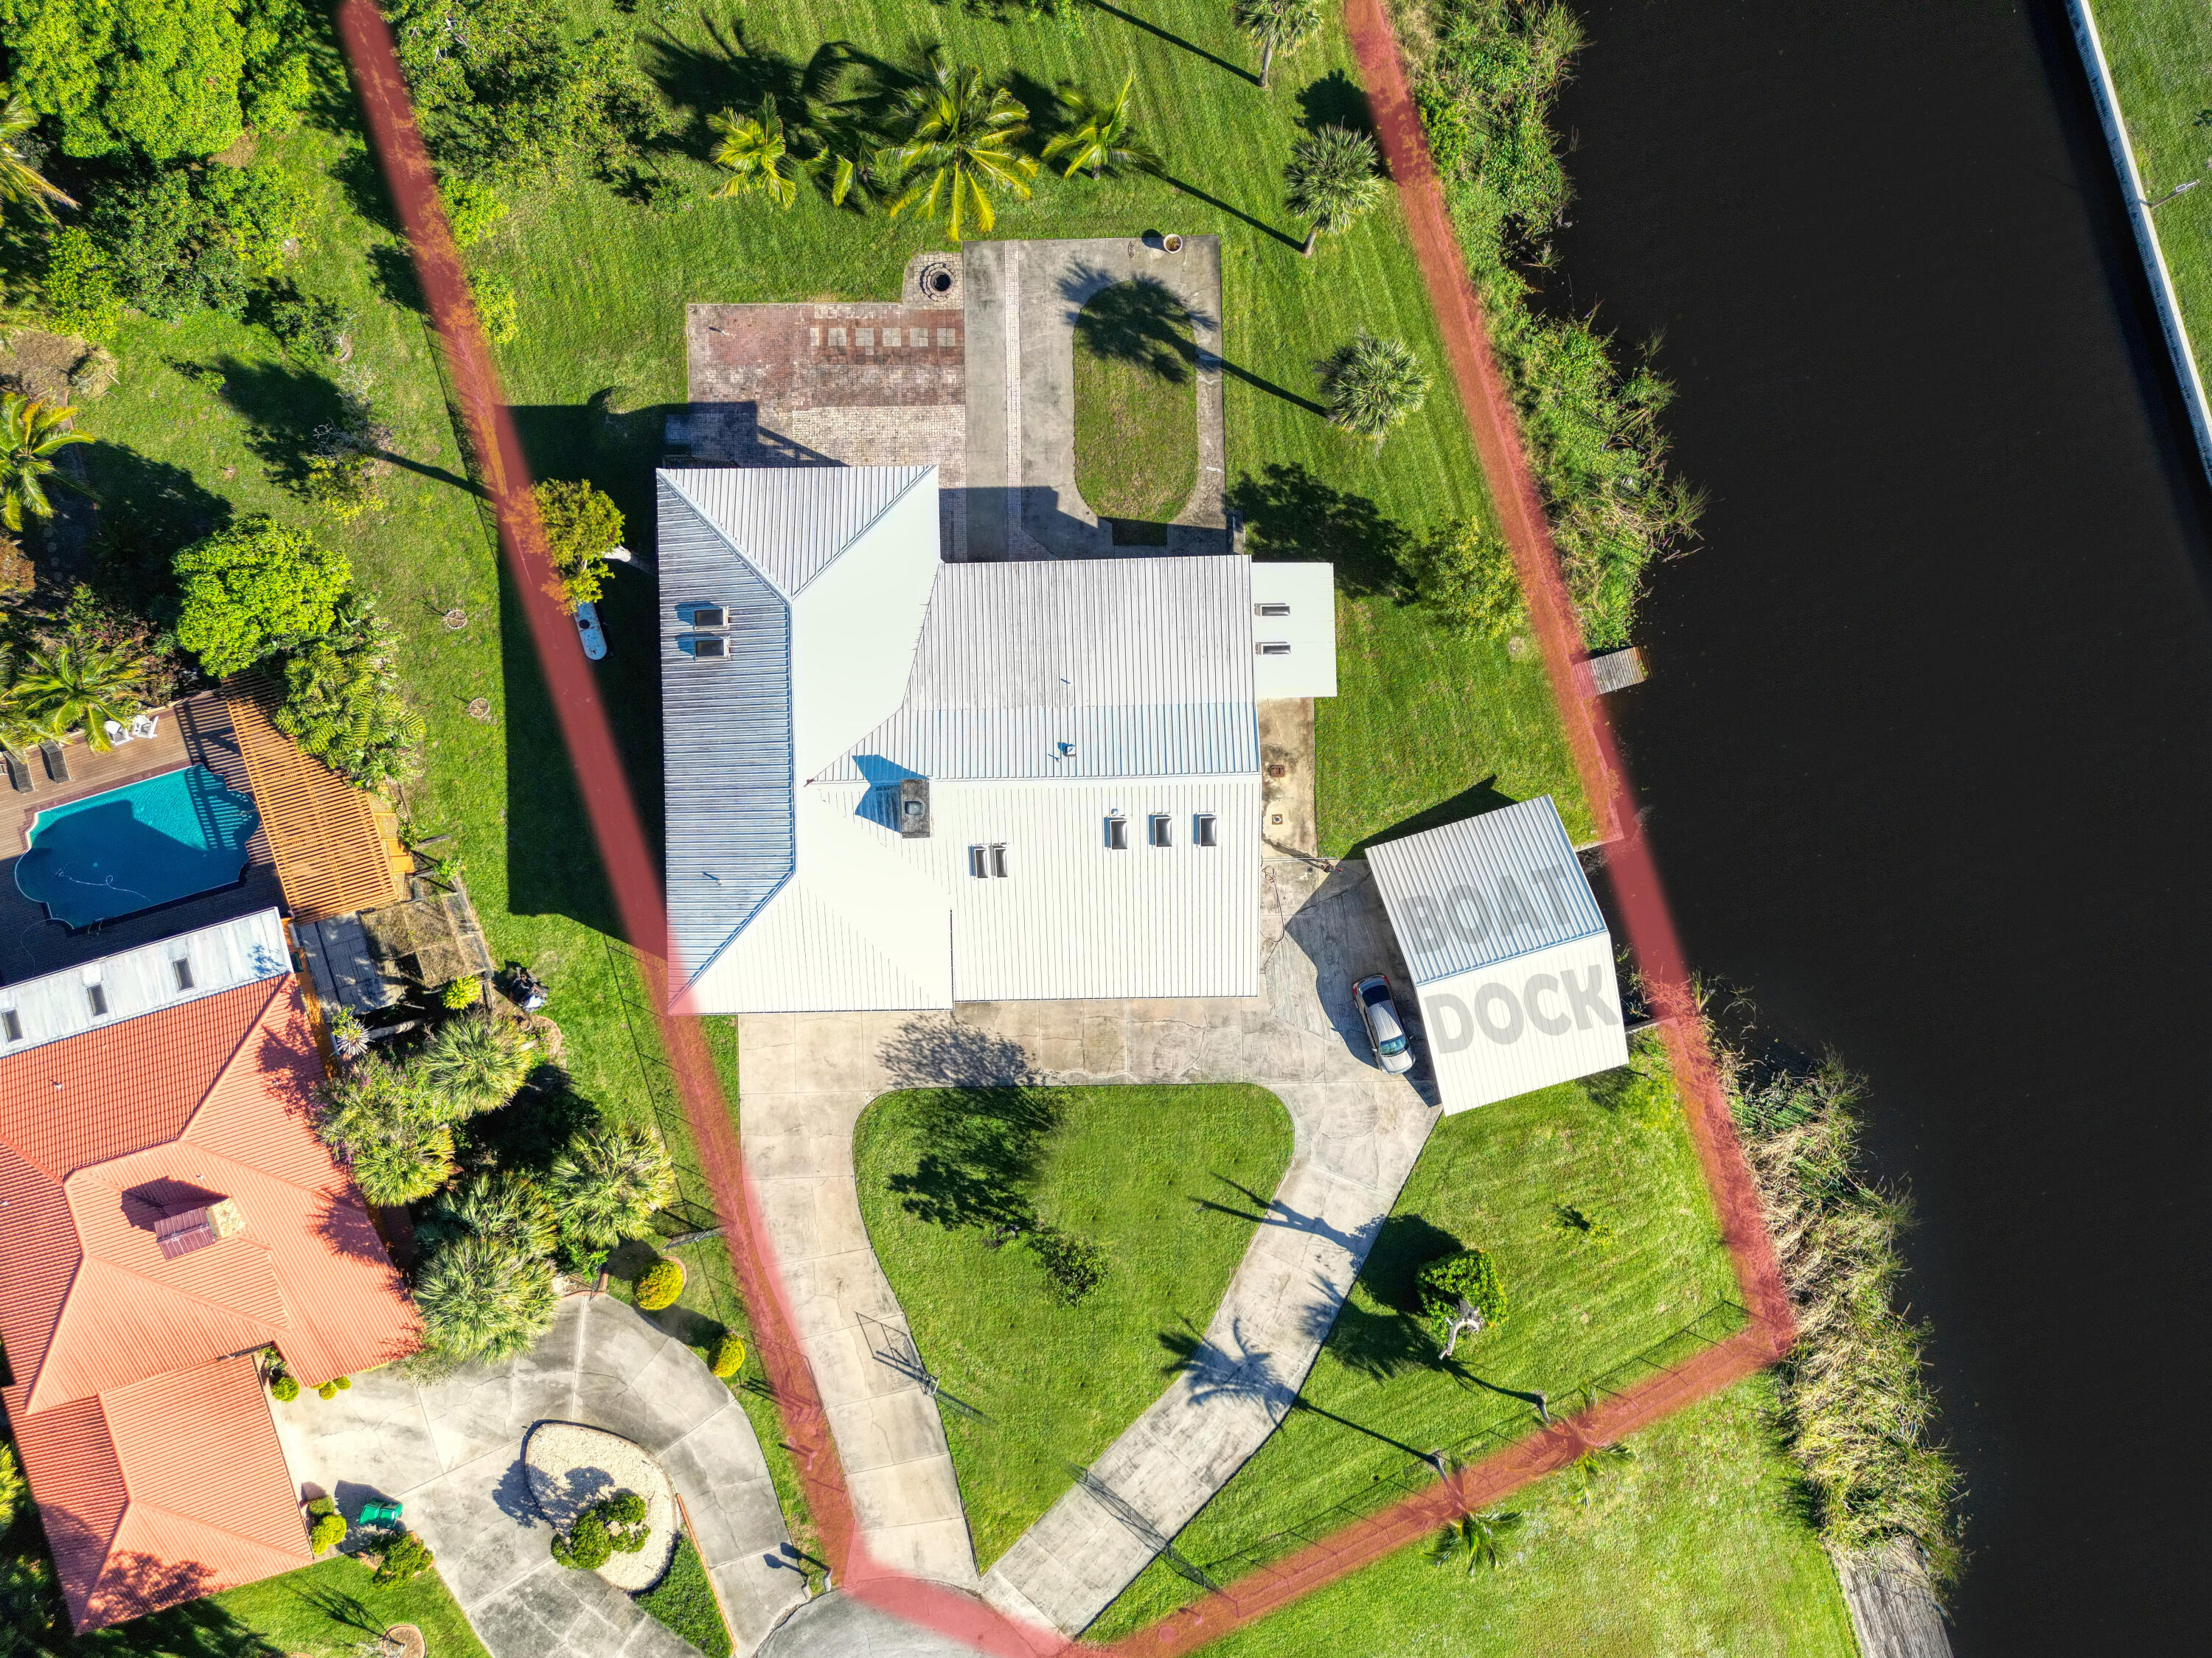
[452, 1452]
[806, 1079]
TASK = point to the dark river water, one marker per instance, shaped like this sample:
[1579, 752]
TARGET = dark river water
[1926, 752]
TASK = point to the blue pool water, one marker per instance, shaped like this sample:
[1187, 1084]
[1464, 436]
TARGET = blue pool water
[134, 848]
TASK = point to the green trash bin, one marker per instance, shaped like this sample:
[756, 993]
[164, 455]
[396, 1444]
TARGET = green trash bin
[379, 1514]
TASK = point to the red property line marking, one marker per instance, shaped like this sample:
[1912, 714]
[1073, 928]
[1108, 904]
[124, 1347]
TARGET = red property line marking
[633, 879]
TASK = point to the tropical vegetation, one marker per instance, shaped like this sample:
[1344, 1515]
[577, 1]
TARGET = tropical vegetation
[609, 1183]
[582, 526]
[1333, 178]
[32, 435]
[1100, 135]
[342, 702]
[66, 688]
[1372, 385]
[961, 143]
[255, 589]
[1277, 25]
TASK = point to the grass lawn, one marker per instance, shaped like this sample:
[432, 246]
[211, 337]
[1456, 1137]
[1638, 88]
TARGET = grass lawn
[1156, 1176]
[1692, 1546]
[2161, 55]
[1614, 1149]
[685, 1600]
[1136, 409]
[321, 1611]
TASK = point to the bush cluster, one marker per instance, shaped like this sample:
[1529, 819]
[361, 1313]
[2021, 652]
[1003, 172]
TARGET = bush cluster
[1468, 1275]
[614, 1525]
[1591, 423]
[1858, 1416]
[582, 525]
[343, 705]
[327, 1527]
[174, 239]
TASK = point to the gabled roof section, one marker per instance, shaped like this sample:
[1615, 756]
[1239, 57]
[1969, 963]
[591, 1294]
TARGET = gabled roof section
[1094, 668]
[790, 522]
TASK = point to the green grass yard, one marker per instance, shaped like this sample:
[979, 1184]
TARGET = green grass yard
[1156, 1177]
[1614, 1149]
[2161, 52]
[1136, 415]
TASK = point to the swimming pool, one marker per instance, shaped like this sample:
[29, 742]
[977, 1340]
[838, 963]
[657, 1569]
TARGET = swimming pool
[131, 849]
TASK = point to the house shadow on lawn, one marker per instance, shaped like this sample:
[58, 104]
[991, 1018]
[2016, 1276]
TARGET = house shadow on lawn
[1469, 802]
[553, 859]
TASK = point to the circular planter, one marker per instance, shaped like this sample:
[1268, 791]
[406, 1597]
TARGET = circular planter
[1172, 244]
[571, 1468]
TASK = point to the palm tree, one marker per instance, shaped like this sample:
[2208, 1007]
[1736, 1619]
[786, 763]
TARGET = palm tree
[1332, 180]
[1373, 384]
[844, 150]
[482, 1298]
[407, 1163]
[66, 688]
[506, 1206]
[1104, 139]
[32, 434]
[1277, 25]
[754, 151]
[609, 1183]
[19, 181]
[1480, 1537]
[960, 147]
[1592, 1465]
[477, 1062]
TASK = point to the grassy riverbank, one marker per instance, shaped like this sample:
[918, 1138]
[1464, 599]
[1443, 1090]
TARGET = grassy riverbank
[2160, 52]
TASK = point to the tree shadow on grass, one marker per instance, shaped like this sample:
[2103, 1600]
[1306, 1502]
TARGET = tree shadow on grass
[1143, 323]
[284, 407]
[1296, 515]
[1469, 802]
[731, 72]
[1190, 46]
[983, 1149]
[148, 508]
[1218, 205]
[1335, 101]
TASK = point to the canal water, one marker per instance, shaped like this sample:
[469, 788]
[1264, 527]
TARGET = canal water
[1927, 750]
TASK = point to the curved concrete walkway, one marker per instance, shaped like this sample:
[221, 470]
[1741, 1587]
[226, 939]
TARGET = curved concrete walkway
[806, 1078]
[452, 1452]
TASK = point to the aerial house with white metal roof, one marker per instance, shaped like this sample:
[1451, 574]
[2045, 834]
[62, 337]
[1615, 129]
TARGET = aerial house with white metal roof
[1511, 957]
[896, 783]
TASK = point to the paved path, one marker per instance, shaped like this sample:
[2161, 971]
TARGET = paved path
[1022, 301]
[453, 1454]
[806, 1079]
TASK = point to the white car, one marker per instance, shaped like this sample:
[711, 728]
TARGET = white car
[1385, 1031]
[587, 627]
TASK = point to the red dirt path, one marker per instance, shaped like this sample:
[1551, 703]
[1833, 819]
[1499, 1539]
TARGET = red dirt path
[634, 878]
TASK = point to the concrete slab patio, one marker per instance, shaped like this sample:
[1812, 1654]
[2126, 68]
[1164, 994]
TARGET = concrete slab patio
[805, 1081]
[452, 1452]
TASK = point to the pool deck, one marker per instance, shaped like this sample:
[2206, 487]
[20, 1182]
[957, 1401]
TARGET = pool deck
[196, 731]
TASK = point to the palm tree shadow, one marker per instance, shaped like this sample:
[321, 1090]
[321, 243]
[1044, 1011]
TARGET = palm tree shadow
[1192, 47]
[1143, 323]
[1213, 201]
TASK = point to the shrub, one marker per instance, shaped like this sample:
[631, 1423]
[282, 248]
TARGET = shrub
[505, 1205]
[659, 1284]
[326, 1390]
[404, 1556]
[496, 309]
[78, 289]
[473, 208]
[395, 1133]
[318, 1507]
[465, 991]
[186, 238]
[1591, 1229]
[255, 589]
[342, 702]
[284, 1387]
[729, 1355]
[586, 1546]
[1073, 1266]
[582, 527]
[342, 1382]
[609, 1183]
[1465, 573]
[306, 326]
[1470, 1275]
[327, 1533]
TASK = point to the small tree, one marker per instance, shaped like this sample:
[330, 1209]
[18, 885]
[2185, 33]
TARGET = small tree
[1461, 1294]
[1277, 25]
[64, 687]
[609, 1183]
[585, 1546]
[582, 526]
[1333, 180]
[960, 146]
[753, 153]
[1373, 384]
[342, 702]
[481, 1298]
[256, 589]
[1102, 135]
[32, 434]
[1465, 573]
[478, 1063]
[1479, 1537]
[405, 1556]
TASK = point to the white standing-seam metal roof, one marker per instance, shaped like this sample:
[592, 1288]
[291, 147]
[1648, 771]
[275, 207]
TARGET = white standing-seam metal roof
[143, 980]
[1039, 700]
[1294, 624]
[1511, 956]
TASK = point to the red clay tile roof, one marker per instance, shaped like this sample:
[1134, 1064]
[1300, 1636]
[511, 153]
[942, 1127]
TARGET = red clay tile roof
[126, 1362]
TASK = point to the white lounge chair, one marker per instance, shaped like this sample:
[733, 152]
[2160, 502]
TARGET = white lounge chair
[116, 735]
[145, 725]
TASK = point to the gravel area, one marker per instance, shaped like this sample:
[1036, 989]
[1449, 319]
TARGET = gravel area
[572, 1467]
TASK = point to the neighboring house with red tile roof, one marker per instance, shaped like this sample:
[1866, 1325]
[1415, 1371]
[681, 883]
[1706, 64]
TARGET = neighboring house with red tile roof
[167, 1213]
